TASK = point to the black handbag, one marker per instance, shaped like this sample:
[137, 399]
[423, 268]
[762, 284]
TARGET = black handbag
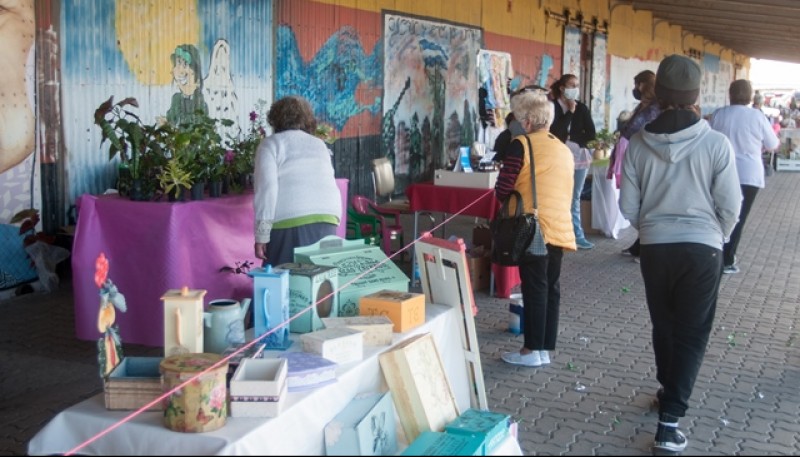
[511, 235]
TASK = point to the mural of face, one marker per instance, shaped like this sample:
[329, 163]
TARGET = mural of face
[17, 124]
[184, 76]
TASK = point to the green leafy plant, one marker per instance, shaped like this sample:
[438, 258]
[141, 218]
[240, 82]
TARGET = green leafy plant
[604, 139]
[174, 178]
[124, 130]
[199, 146]
[28, 219]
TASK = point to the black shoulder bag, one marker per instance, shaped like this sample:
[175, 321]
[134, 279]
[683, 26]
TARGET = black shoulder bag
[512, 234]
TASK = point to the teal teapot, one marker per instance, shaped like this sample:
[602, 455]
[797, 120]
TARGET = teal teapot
[224, 324]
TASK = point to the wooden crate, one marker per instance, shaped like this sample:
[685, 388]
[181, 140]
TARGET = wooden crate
[134, 383]
[421, 391]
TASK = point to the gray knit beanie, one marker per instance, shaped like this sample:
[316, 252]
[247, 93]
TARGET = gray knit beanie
[678, 80]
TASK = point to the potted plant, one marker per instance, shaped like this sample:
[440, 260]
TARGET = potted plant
[240, 158]
[602, 143]
[175, 179]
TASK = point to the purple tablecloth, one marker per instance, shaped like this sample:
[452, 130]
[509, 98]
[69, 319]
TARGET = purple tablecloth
[156, 246]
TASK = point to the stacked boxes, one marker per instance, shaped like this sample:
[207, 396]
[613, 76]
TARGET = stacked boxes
[377, 329]
[341, 345]
[491, 428]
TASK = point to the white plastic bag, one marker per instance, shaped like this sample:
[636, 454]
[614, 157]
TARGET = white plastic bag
[46, 257]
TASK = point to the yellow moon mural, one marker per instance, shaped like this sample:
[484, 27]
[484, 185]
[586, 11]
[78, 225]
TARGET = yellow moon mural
[148, 32]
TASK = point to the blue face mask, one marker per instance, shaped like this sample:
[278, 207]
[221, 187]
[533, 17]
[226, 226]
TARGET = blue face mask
[637, 94]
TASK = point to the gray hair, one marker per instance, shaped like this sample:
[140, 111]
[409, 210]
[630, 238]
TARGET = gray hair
[535, 107]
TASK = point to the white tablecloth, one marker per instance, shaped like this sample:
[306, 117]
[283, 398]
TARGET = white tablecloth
[297, 431]
[606, 215]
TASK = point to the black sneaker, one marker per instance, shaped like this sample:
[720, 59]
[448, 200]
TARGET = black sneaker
[669, 439]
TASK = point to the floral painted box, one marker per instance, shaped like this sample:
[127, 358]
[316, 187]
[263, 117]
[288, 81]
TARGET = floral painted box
[259, 388]
[365, 427]
[438, 443]
[492, 428]
[377, 329]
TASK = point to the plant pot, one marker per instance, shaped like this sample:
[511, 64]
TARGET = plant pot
[197, 190]
[137, 193]
[177, 195]
[215, 189]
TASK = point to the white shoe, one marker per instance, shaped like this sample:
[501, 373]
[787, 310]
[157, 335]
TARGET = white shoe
[544, 356]
[528, 360]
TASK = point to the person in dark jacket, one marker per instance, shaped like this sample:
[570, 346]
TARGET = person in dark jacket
[573, 125]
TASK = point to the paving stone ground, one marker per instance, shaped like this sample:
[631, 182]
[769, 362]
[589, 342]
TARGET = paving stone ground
[596, 396]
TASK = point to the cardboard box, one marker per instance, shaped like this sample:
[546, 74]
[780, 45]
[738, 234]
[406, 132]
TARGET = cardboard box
[405, 309]
[479, 271]
[365, 427]
[477, 179]
[258, 388]
[482, 236]
[436, 443]
[134, 383]
[377, 329]
[340, 345]
[492, 428]
[586, 218]
[421, 391]
[353, 258]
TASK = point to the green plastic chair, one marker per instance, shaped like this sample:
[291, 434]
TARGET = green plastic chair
[363, 226]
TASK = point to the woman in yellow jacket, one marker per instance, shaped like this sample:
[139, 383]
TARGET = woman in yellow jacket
[554, 167]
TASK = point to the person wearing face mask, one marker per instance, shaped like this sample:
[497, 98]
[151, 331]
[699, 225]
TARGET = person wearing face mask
[644, 90]
[573, 125]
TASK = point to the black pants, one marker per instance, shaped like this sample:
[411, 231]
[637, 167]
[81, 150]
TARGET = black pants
[729, 250]
[541, 296]
[681, 283]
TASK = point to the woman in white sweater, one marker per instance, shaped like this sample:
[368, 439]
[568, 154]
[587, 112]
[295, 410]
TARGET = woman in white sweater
[297, 201]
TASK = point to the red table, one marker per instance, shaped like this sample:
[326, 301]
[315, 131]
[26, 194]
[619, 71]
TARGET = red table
[464, 201]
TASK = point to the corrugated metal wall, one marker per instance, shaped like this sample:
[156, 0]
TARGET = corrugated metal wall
[125, 48]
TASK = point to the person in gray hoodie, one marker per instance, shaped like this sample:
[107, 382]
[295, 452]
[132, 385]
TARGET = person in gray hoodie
[680, 190]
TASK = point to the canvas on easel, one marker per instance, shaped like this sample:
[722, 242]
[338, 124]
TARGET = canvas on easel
[446, 281]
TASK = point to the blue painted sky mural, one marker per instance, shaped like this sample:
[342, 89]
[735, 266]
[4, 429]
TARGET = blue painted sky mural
[329, 81]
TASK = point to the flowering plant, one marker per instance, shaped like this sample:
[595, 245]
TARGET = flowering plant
[240, 157]
[326, 133]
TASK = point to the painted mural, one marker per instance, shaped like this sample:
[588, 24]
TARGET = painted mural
[571, 60]
[331, 79]
[620, 91]
[17, 124]
[599, 87]
[430, 94]
[717, 78]
[173, 57]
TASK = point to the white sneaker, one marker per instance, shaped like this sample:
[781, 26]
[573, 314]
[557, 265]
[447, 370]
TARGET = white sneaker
[528, 360]
[544, 356]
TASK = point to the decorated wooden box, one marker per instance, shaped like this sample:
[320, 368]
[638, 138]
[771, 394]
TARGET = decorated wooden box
[200, 405]
[366, 426]
[308, 371]
[259, 388]
[419, 385]
[271, 306]
[437, 443]
[405, 309]
[492, 428]
[134, 383]
[183, 321]
[309, 285]
[377, 329]
[340, 345]
[353, 258]
[254, 351]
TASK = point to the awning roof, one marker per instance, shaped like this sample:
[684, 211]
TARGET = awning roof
[763, 29]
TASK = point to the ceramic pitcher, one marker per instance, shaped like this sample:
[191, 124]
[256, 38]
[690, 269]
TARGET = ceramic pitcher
[224, 324]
